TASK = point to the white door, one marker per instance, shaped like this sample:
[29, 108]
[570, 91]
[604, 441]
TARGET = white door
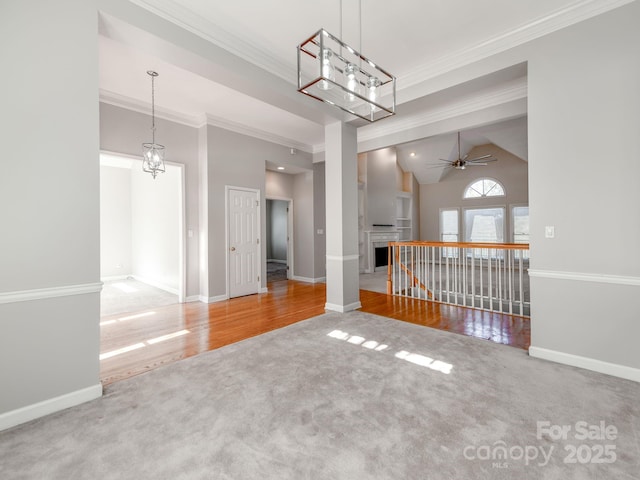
[243, 241]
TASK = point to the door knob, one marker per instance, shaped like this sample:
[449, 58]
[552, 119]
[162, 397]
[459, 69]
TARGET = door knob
[233, 249]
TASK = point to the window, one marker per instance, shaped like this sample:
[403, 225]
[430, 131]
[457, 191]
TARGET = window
[520, 228]
[485, 187]
[484, 225]
[520, 224]
[449, 230]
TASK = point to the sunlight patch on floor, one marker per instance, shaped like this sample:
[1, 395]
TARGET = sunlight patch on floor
[136, 346]
[415, 358]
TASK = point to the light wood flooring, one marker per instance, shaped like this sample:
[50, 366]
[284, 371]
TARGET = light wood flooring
[141, 341]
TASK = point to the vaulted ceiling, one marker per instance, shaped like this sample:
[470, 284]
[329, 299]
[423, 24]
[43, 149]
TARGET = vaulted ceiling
[252, 86]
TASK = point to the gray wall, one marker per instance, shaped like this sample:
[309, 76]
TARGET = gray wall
[584, 114]
[303, 225]
[301, 188]
[382, 187]
[319, 221]
[509, 170]
[49, 192]
[123, 131]
[277, 219]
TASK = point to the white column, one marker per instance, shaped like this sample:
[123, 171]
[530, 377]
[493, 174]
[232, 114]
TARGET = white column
[341, 170]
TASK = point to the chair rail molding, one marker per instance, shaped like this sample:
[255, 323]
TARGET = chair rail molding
[586, 277]
[50, 292]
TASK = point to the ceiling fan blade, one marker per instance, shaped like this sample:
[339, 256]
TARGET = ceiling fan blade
[465, 157]
[437, 166]
[478, 158]
[475, 164]
[443, 160]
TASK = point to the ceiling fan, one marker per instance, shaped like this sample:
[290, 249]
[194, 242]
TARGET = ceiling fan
[461, 163]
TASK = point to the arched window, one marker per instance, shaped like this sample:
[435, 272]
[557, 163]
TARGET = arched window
[485, 187]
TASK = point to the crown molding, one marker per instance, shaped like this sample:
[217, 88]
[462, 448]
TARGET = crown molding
[557, 20]
[118, 100]
[515, 90]
[242, 129]
[198, 121]
[217, 35]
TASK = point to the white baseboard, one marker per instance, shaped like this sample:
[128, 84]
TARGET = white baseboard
[192, 298]
[342, 308]
[217, 298]
[264, 290]
[153, 283]
[40, 409]
[309, 280]
[114, 278]
[613, 369]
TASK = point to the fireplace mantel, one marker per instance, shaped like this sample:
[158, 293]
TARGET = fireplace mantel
[378, 238]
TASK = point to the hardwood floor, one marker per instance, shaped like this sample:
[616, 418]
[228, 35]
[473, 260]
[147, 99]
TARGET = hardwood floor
[138, 342]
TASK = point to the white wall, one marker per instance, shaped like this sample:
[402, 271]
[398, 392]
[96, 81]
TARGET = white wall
[115, 222]
[584, 119]
[509, 170]
[49, 192]
[156, 218]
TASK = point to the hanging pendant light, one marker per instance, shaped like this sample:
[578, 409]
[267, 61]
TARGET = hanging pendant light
[153, 153]
[331, 71]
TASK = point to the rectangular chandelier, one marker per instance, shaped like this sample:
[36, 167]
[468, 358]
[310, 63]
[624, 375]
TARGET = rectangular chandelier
[331, 71]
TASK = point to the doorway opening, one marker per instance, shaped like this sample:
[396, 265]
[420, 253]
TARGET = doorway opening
[142, 246]
[279, 246]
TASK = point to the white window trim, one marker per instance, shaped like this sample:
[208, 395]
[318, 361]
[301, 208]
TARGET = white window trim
[464, 190]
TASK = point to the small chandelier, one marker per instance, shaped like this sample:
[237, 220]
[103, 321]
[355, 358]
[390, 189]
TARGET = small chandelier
[331, 71]
[153, 153]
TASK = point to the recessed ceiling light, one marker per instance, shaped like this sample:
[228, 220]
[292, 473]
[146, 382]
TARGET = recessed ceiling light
[280, 168]
[412, 154]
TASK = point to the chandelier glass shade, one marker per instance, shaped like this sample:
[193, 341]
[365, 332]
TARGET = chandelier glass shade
[153, 153]
[331, 71]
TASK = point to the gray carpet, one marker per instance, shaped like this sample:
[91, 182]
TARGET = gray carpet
[298, 403]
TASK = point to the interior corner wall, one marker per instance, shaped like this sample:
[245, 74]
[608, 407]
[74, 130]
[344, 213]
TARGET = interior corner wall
[49, 286]
[584, 112]
[509, 170]
[123, 131]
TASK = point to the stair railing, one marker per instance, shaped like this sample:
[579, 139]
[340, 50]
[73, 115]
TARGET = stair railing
[487, 276]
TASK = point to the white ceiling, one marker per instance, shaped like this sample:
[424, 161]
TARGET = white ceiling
[413, 39]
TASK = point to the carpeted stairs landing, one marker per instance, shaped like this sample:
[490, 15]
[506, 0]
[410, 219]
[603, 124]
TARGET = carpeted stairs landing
[343, 396]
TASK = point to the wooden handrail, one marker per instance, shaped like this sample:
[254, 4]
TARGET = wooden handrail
[497, 246]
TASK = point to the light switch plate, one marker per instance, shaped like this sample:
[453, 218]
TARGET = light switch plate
[549, 231]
